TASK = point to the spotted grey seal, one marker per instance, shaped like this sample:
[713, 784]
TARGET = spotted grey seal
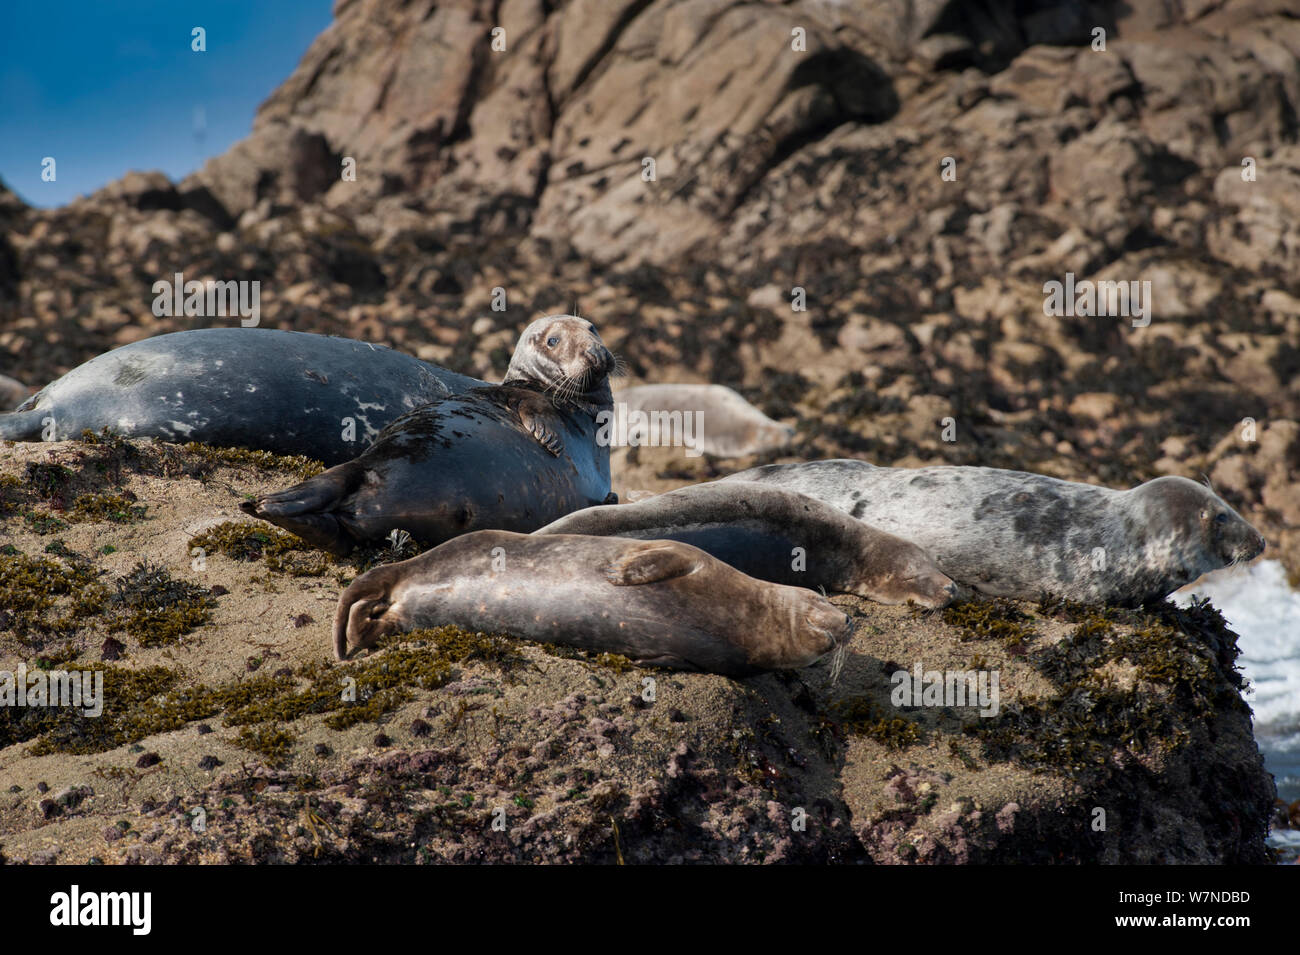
[1014, 534]
[659, 603]
[286, 392]
[778, 535]
[512, 456]
[722, 423]
[12, 393]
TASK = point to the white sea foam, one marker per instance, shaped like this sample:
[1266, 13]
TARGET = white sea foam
[1265, 613]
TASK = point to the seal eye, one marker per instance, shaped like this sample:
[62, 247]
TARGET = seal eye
[1220, 518]
[552, 342]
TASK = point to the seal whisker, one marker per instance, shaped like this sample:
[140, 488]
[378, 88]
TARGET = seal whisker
[837, 661]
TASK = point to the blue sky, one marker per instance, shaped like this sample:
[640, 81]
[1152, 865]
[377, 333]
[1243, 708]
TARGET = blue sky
[108, 86]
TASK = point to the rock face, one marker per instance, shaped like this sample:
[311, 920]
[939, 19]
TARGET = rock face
[848, 212]
[223, 697]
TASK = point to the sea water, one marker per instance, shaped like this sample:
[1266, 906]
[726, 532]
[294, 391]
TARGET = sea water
[1264, 611]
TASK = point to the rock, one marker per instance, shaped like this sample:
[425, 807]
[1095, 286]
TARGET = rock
[774, 168]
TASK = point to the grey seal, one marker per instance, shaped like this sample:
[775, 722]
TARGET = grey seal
[1022, 535]
[659, 603]
[513, 456]
[261, 388]
[722, 422]
[777, 535]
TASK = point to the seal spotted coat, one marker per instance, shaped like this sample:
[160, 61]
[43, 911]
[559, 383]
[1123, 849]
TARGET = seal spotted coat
[1015, 534]
[261, 388]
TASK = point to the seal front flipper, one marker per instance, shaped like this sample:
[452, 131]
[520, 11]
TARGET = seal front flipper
[656, 561]
[305, 509]
[536, 425]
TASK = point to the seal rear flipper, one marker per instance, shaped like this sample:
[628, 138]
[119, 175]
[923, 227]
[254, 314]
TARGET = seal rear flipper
[306, 509]
[322, 493]
[656, 561]
[22, 425]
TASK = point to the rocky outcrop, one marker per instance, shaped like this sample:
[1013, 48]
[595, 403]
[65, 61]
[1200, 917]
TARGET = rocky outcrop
[911, 171]
[1113, 736]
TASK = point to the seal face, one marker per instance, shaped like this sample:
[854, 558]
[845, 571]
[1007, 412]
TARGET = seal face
[778, 535]
[286, 392]
[659, 603]
[1015, 534]
[512, 456]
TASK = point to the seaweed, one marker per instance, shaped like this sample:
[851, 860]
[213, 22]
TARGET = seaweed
[282, 552]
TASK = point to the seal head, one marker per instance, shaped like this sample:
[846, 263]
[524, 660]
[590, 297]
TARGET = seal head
[564, 354]
[1194, 521]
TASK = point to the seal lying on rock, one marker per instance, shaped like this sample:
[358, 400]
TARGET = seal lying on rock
[722, 424]
[12, 393]
[1014, 534]
[285, 392]
[777, 535]
[659, 603]
[512, 456]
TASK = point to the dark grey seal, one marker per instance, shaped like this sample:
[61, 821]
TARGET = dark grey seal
[286, 392]
[1014, 534]
[777, 535]
[513, 456]
[659, 603]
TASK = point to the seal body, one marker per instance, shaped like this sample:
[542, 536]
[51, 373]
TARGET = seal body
[723, 423]
[659, 603]
[513, 456]
[12, 393]
[779, 535]
[286, 392]
[1015, 534]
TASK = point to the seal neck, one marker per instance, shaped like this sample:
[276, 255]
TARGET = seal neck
[599, 397]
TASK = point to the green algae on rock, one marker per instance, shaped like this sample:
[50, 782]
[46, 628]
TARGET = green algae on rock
[157, 609]
[998, 619]
[283, 552]
[118, 508]
[858, 715]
